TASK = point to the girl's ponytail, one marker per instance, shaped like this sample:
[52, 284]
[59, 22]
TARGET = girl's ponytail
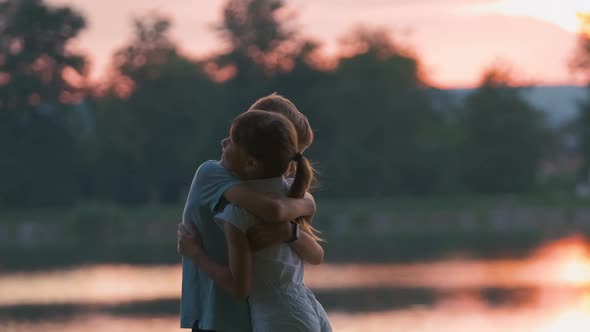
[304, 176]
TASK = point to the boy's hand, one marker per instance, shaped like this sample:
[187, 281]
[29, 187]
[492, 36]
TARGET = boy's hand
[264, 235]
[189, 244]
[292, 208]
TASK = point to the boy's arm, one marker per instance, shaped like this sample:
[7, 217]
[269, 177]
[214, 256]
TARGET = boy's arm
[235, 279]
[270, 207]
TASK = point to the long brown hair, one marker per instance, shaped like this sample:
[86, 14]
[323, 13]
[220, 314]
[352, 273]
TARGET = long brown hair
[271, 139]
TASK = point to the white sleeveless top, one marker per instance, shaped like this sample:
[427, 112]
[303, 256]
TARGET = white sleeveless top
[279, 300]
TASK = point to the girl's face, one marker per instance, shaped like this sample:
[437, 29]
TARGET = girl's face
[235, 159]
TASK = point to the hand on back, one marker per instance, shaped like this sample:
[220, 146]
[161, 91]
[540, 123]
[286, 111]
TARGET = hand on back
[189, 242]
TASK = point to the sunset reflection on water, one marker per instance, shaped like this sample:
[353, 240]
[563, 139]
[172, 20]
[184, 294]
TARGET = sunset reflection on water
[558, 274]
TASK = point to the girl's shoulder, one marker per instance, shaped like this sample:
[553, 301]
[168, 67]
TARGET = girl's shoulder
[235, 215]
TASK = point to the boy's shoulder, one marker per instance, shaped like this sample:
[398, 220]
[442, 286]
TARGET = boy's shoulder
[209, 165]
[211, 168]
[211, 181]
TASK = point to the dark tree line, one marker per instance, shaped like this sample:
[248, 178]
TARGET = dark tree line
[380, 129]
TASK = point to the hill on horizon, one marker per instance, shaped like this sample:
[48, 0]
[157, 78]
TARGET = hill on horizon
[560, 103]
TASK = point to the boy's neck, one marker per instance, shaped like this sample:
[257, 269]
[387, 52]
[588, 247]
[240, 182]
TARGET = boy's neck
[236, 175]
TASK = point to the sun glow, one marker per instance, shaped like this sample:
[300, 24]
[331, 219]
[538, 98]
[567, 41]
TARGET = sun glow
[563, 13]
[568, 261]
[576, 271]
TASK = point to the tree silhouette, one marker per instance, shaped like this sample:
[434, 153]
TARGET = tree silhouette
[153, 135]
[36, 61]
[581, 64]
[39, 77]
[377, 109]
[502, 137]
[259, 35]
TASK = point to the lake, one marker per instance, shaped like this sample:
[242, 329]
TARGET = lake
[548, 291]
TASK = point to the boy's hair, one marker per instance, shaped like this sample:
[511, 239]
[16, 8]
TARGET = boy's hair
[271, 139]
[279, 104]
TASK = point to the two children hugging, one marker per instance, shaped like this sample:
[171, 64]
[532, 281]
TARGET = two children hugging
[243, 254]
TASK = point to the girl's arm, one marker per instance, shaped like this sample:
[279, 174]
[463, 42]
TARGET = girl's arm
[236, 278]
[270, 207]
[263, 235]
[308, 249]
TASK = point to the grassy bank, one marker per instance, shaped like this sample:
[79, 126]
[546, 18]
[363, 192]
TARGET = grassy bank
[376, 230]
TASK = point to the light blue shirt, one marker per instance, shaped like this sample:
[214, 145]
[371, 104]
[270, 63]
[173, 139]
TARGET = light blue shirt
[201, 299]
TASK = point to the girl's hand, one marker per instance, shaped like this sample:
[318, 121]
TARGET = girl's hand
[189, 244]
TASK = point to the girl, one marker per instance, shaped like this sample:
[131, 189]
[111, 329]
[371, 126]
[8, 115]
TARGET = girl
[260, 149]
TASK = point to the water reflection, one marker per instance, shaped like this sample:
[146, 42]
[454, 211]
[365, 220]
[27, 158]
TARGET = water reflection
[548, 292]
[91, 284]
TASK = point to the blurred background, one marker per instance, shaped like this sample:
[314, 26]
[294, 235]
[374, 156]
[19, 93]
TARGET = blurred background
[452, 140]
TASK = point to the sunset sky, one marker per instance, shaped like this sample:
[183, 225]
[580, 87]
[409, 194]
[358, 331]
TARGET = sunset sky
[455, 39]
